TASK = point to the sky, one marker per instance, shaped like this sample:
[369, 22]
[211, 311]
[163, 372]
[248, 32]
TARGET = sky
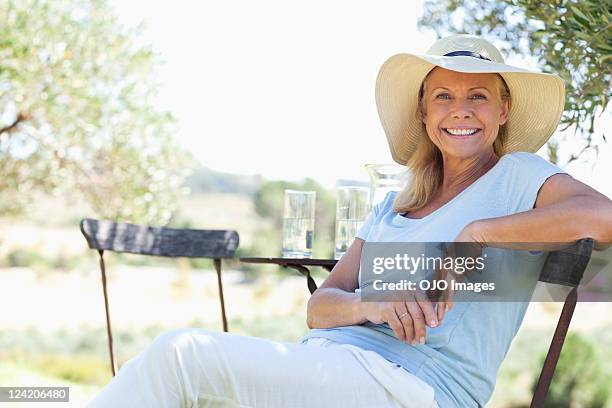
[286, 89]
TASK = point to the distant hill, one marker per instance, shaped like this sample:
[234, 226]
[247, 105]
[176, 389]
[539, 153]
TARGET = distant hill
[205, 180]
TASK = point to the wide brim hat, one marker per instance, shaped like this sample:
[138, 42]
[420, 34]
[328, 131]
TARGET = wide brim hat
[536, 106]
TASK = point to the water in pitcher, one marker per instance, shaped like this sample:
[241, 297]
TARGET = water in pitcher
[345, 233]
[297, 237]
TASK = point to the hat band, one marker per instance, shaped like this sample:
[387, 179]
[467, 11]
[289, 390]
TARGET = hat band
[465, 54]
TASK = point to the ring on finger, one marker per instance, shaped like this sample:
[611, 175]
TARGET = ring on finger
[403, 314]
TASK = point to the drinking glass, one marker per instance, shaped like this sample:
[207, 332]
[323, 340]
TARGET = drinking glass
[352, 208]
[298, 223]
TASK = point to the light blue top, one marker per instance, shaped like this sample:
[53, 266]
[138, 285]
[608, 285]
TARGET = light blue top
[461, 357]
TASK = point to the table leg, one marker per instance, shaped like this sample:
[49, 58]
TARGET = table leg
[312, 286]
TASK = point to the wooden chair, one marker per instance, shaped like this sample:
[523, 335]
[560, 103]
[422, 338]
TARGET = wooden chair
[166, 242]
[563, 268]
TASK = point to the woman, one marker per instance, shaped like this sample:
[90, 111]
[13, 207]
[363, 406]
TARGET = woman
[464, 122]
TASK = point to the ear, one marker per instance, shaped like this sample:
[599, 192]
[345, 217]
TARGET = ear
[503, 116]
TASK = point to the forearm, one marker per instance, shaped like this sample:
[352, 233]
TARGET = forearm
[568, 221]
[332, 307]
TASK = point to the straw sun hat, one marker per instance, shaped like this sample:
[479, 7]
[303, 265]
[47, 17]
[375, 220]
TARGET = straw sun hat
[536, 106]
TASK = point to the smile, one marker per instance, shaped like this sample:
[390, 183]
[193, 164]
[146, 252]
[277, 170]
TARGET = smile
[462, 132]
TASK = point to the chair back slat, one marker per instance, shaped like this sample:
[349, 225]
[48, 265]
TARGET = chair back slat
[159, 241]
[567, 266]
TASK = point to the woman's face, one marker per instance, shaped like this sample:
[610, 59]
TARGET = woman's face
[463, 112]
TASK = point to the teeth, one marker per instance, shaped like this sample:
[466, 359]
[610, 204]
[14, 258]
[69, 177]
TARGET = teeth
[462, 132]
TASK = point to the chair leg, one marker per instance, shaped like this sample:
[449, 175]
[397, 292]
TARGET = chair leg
[550, 363]
[109, 332]
[217, 262]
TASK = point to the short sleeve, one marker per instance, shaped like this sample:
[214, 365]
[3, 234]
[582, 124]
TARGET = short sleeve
[374, 216]
[529, 173]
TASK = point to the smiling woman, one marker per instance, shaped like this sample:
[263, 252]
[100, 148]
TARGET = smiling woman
[467, 125]
[470, 107]
[463, 114]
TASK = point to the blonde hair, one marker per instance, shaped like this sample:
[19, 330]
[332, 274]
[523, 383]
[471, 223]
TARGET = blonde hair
[425, 164]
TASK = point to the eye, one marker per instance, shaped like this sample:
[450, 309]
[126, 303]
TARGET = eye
[443, 95]
[478, 96]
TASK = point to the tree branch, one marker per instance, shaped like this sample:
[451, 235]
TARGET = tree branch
[20, 118]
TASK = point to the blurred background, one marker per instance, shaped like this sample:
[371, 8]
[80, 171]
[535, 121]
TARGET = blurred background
[200, 114]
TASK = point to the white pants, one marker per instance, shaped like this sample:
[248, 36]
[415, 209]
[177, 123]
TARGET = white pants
[202, 368]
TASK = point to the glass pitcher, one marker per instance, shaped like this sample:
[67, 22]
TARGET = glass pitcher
[385, 178]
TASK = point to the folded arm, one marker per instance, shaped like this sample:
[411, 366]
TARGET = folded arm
[335, 303]
[566, 210]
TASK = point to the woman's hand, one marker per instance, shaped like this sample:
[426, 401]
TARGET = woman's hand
[407, 319]
[468, 243]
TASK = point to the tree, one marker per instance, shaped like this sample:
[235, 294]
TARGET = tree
[569, 38]
[77, 115]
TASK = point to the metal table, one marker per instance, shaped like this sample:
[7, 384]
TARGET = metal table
[299, 264]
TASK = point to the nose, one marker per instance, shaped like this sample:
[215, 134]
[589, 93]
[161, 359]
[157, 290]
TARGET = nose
[461, 109]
